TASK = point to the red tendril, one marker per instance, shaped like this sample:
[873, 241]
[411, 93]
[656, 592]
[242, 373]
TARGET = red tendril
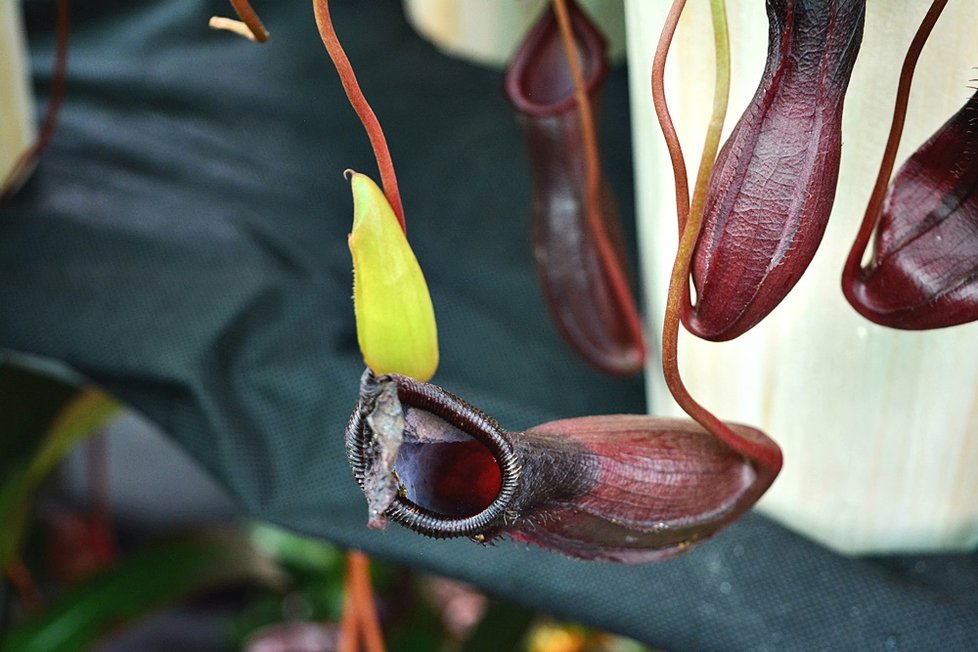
[767, 455]
[359, 621]
[611, 263]
[875, 206]
[250, 25]
[360, 105]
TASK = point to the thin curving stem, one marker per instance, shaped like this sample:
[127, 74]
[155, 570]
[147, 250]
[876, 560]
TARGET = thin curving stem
[763, 452]
[874, 208]
[248, 16]
[366, 114]
[673, 145]
[250, 25]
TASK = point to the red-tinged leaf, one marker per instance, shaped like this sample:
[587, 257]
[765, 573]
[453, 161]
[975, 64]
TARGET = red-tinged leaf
[80, 545]
[774, 183]
[78, 419]
[622, 488]
[924, 269]
[579, 260]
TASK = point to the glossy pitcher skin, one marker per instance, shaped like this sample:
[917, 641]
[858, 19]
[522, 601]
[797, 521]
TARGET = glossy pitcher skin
[923, 272]
[590, 303]
[774, 182]
[624, 488]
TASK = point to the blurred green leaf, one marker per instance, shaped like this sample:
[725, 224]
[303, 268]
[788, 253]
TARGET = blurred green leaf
[77, 418]
[149, 579]
[315, 571]
[301, 555]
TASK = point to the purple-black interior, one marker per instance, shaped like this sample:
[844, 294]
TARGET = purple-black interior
[443, 469]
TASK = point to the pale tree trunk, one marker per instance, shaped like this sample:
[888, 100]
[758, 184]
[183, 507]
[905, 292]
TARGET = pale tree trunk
[17, 125]
[488, 31]
[879, 427]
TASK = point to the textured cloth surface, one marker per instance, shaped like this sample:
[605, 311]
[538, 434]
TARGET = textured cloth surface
[183, 243]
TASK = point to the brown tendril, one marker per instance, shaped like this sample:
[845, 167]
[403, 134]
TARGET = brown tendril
[26, 162]
[592, 193]
[690, 222]
[874, 207]
[250, 25]
[361, 106]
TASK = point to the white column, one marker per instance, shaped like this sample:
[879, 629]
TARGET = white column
[488, 31]
[879, 427]
[17, 125]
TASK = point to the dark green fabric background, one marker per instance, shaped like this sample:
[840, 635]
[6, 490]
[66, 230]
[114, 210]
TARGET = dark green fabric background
[183, 243]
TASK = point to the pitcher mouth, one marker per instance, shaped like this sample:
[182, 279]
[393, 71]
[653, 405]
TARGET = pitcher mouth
[437, 494]
[537, 80]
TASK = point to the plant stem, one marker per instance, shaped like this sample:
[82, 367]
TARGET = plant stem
[690, 221]
[592, 191]
[223, 24]
[29, 158]
[662, 112]
[369, 623]
[359, 621]
[360, 105]
[592, 165]
[721, 95]
[250, 19]
[874, 207]
[348, 620]
[250, 25]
